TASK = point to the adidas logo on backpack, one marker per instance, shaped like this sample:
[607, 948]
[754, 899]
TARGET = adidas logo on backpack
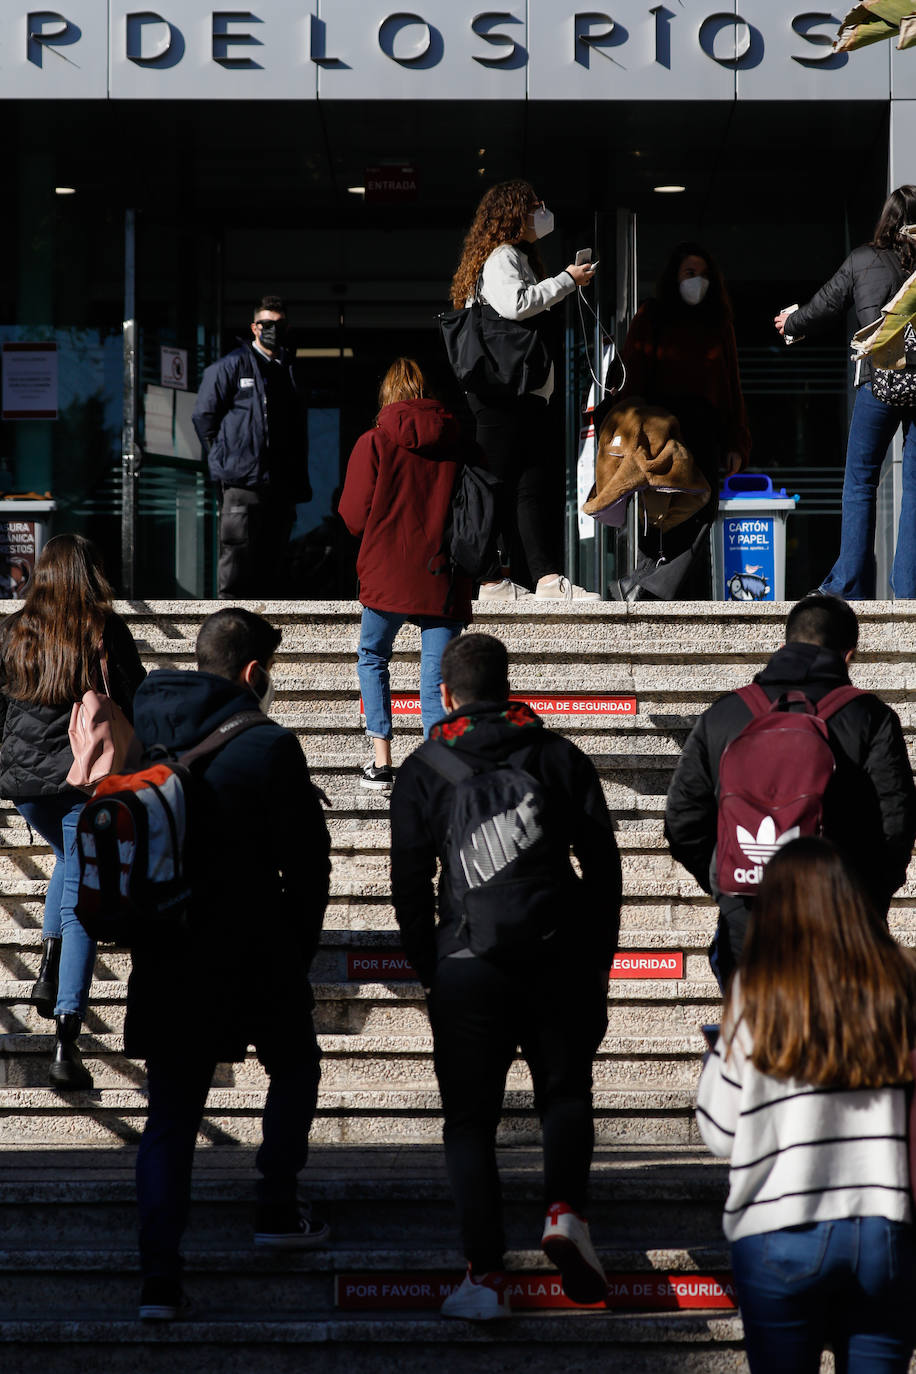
[772, 781]
[130, 840]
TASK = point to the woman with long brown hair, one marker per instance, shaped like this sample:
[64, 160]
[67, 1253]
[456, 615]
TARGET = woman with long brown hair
[500, 264]
[397, 498]
[51, 652]
[806, 1093]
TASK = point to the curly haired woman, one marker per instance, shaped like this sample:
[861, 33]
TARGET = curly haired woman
[501, 265]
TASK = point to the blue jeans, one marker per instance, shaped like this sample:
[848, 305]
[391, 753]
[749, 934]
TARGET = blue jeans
[377, 633]
[873, 426]
[178, 1090]
[55, 820]
[849, 1283]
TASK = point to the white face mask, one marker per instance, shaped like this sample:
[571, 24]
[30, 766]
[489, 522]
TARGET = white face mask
[265, 698]
[693, 289]
[541, 221]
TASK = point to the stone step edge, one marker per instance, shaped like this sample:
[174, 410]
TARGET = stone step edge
[390, 1046]
[369, 1100]
[623, 989]
[715, 1328]
[615, 1259]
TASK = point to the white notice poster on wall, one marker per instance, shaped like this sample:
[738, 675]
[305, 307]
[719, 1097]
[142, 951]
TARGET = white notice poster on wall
[173, 364]
[29, 381]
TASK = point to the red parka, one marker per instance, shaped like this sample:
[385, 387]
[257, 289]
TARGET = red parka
[397, 495]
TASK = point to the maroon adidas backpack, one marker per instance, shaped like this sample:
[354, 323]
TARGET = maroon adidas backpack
[772, 780]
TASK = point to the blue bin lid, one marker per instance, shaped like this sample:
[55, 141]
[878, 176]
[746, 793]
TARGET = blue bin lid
[750, 486]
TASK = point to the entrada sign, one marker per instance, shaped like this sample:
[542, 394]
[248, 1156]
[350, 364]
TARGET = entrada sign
[441, 49]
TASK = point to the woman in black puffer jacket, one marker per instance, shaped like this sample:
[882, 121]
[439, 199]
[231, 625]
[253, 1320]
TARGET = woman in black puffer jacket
[50, 654]
[867, 280]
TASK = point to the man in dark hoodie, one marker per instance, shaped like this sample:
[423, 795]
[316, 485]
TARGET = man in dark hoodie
[550, 998]
[252, 420]
[869, 805]
[259, 850]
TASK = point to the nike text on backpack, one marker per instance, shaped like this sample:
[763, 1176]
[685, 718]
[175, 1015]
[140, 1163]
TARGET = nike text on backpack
[509, 874]
[772, 780]
[131, 838]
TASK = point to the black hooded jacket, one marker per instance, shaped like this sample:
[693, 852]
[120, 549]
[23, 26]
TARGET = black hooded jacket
[261, 872]
[867, 280]
[420, 808]
[870, 805]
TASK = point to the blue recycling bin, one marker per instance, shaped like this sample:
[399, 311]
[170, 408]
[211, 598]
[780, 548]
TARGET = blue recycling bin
[749, 540]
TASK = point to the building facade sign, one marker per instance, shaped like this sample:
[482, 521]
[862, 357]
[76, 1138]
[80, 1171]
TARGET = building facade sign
[438, 50]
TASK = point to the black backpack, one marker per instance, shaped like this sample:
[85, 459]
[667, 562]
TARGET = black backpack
[470, 537]
[508, 868]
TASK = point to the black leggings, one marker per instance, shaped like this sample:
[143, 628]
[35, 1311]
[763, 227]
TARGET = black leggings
[514, 435]
[481, 1015]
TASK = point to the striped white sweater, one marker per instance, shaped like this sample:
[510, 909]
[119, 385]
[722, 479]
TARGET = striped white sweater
[801, 1154]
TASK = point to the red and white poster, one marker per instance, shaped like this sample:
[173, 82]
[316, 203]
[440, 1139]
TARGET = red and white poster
[643, 1292]
[648, 963]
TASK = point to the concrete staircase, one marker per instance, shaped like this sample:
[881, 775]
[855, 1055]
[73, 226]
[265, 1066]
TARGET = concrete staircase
[68, 1267]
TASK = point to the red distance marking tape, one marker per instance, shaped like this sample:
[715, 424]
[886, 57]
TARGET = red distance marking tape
[664, 1292]
[648, 963]
[389, 965]
[569, 704]
[379, 965]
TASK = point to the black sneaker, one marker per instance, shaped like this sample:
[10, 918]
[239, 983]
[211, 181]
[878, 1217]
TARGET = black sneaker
[283, 1228]
[162, 1300]
[377, 778]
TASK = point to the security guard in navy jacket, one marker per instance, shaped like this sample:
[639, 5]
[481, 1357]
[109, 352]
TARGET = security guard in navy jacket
[251, 418]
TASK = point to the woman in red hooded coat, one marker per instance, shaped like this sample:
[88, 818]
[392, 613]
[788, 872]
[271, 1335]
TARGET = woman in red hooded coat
[397, 496]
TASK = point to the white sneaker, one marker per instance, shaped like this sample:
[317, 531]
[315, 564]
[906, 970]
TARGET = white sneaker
[505, 590]
[567, 1244]
[561, 589]
[478, 1300]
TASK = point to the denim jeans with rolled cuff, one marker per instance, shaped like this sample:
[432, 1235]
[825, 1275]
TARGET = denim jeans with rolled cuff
[377, 633]
[854, 575]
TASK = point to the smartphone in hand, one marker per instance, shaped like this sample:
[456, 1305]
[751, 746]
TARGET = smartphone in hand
[583, 257]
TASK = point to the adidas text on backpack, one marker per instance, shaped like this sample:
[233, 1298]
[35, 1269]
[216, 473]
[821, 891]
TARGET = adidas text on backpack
[131, 838]
[772, 780]
[509, 872]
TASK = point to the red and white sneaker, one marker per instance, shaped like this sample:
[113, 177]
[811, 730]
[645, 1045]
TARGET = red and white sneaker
[481, 1299]
[567, 1244]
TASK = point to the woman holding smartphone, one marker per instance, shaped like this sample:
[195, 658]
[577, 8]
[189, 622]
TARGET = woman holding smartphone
[500, 264]
[806, 1094]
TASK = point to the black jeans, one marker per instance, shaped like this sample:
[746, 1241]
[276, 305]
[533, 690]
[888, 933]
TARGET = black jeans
[254, 530]
[178, 1086]
[728, 941]
[480, 1014]
[514, 436]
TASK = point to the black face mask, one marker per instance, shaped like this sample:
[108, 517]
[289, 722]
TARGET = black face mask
[272, 333]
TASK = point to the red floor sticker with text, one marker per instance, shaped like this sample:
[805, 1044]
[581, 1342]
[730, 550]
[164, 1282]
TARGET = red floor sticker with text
[656, 1292]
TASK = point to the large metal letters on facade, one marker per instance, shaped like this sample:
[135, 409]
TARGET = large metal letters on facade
[439, 50]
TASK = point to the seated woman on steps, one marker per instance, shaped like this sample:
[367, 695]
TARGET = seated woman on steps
[397, 496]
[806, 1093]
[50, 653]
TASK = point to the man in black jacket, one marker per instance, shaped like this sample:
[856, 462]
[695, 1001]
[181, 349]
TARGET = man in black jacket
[548, 997]
[251, 418]
[870, 803]
[259, 855]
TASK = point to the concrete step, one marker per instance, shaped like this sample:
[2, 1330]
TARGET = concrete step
[688, 1343]
[364, 1061]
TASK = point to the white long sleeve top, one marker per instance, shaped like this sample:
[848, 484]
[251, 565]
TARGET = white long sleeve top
[509, 284]
[801, 1154]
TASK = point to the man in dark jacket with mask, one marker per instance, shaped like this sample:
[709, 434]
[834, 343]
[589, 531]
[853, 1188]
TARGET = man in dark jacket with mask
[548, 996]
[869, 805]
[258, 849]
[252, 421]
